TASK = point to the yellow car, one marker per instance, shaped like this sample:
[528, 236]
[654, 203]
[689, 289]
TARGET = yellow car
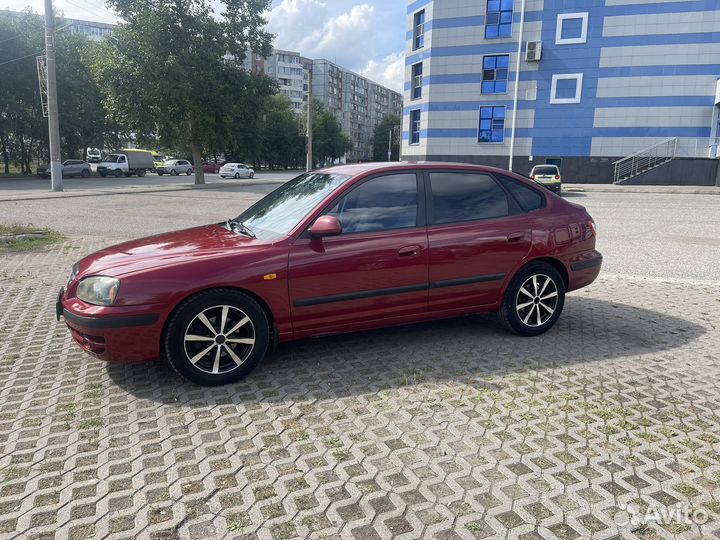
[548, 176]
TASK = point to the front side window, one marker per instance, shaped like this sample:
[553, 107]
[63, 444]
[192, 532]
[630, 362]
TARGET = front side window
[415, 126]
[380, 204]
[498, 21]
[281, 211]
[458, 197]
[492, 124]
[417, 70]
[495, 74]
[419, 30]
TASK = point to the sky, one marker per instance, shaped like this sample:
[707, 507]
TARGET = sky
[366, 36]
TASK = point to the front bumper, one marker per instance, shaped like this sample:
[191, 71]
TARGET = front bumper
[120, 334]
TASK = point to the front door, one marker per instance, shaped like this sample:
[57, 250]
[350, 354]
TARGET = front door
[376, 269]
[477, 235]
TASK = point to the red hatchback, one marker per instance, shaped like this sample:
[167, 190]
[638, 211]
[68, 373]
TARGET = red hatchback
[336, 250]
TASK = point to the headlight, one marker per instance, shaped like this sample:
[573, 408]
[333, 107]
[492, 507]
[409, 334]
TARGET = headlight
[98, 290]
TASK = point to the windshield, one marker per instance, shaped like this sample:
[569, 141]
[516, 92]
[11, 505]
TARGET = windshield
[280, 212]
[112, 158]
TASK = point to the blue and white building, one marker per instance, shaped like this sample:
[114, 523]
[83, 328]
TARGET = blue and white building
[599, 80]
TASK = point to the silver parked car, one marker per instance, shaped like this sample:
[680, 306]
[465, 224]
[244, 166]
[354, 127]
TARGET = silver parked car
[70, 168]
[174, 167]
[236, 170]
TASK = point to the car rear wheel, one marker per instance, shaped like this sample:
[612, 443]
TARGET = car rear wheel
[216, 337]
[141, 172]
[188, 172]
[534, 300]
[85, 173]
[237, 175]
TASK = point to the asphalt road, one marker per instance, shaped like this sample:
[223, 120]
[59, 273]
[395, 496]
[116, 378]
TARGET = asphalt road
[640, 235]
[10, 185]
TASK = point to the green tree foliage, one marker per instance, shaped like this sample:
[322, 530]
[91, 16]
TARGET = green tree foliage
[23, 130]
[381, 136]
[283, 140]
[329, 142]
[174, 67]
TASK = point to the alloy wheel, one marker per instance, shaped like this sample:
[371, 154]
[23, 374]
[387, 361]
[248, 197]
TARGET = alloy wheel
[219, 339]
[536, 300]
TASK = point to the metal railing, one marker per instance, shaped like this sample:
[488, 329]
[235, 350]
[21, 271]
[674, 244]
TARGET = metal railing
[645, 159]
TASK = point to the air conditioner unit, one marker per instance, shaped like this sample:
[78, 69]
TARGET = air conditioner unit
[534, 51]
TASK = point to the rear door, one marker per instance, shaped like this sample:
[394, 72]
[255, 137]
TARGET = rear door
[376, 269]
[477, 235]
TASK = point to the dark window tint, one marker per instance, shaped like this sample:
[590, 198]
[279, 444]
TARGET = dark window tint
[465, 197]
[545, 170]
[529, 199]
[381, 204]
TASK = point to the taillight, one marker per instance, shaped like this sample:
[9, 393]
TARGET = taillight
[557, 177]
[592, 228]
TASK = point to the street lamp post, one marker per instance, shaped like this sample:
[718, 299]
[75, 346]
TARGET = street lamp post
[391, 131]
[517, 85]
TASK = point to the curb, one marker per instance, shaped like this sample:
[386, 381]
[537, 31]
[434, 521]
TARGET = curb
[667, 190]
[131, 190]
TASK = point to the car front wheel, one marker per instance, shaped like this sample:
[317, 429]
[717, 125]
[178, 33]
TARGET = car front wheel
[173, 172]
[85, 173]
[188, 172]
[237, 175]
[216, 337]
[118, 173]
[252, 174]
[534, 300]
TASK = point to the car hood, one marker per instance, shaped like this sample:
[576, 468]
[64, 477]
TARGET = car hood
[165, 250]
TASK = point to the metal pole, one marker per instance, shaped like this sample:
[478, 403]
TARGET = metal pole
[56, 181]
[390, 132]
[309, 159]
[517, 85]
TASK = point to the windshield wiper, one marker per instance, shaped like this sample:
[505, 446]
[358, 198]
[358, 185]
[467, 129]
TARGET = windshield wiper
[241, 228]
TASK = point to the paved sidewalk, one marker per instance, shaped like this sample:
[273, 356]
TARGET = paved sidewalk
[611, 188]
[452, 429]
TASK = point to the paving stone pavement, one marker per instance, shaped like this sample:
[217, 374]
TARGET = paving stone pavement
[452, 429]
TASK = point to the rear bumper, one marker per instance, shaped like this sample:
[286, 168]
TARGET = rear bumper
[584, 269]
[113, 334]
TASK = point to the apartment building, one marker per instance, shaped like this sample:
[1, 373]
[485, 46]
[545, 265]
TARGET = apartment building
[358, 103]
[599, 81]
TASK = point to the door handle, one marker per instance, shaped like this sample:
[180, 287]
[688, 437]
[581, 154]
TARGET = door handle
[515, 237]
[409, 251]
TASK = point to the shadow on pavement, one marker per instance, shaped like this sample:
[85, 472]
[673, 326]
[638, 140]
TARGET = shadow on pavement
[467, 349]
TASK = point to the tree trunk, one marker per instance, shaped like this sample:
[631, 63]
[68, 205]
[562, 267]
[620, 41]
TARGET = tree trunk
[6, 155]
[197, 163]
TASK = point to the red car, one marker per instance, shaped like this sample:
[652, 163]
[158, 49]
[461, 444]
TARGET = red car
[211, 167]
[337, 250]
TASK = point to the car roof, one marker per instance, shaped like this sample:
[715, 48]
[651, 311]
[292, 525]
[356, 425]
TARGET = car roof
[362, 168]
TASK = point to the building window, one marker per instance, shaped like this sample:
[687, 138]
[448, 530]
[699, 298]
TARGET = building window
[571, 28]
[498, 19]
[416, 81]
[566, 88]
[495, 74]
[419, 30]
[492, 124]
[415, 126]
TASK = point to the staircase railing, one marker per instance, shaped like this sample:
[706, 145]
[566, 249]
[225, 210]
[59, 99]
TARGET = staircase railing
[645, 159]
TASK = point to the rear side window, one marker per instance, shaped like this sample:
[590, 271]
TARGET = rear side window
[380, 204]
[528, 198]
[461, 197]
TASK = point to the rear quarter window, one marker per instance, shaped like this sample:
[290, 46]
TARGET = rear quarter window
[528, 198]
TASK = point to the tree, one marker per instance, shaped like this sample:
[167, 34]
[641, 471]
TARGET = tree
[170, 69]
[381, 136]
[329, 142]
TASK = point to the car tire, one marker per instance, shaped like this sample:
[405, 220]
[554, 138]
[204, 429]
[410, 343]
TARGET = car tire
[252, 175]
[104, 175]
[173, 172]
[204, 354]
[160, 174]
[237, 175]
[188, 172]
[534, 300]
[118, 173]
[141, 172]
[221, 176]
[85, 173]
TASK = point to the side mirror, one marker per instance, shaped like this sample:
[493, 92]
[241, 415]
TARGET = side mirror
[326, 226]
